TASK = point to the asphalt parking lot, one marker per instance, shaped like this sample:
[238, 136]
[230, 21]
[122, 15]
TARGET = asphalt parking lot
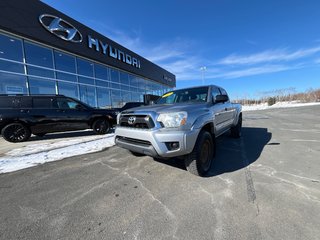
[265, 185]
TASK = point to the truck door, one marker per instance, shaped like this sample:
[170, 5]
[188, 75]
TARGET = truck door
[230, 111]
[218, 109]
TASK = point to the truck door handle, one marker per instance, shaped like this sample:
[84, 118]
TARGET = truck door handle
[24, 111]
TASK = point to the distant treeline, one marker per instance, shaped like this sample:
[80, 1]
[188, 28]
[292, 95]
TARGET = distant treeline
[281, 95]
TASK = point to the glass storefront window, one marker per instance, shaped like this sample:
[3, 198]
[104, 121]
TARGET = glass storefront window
[126, 97]
[11, 66]
[40, 86]
[93, 83]
[11, 48]
[86, 80]
[88, 95]
[134, 81]
[65, 62]
[13, 84]
[116, 98]
[101, 72]
[68, 89]
[85, 67]
[103, 97]
[66, 76]
[115, 85]
[102, 83]
[40, 72]
[124, 78]
[124, 87]
[114, 74]
[38, 55]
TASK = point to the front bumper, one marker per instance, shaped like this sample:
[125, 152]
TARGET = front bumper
[153, 142]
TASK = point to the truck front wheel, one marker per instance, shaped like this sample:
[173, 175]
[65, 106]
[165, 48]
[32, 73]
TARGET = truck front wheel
[199, 161]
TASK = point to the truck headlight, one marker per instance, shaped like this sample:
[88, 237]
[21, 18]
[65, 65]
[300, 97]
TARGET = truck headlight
[172, 120]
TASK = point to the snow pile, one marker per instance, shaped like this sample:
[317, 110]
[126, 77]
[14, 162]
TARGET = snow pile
[40, 153]
[264, 106]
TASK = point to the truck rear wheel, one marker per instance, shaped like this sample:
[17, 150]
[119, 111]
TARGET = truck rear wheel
[15, 132]
[199, 161]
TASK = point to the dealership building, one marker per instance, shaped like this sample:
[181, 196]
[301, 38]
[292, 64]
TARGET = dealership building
[43, 51]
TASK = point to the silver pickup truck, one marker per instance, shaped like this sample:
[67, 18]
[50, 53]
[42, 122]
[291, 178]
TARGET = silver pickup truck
[182, 123]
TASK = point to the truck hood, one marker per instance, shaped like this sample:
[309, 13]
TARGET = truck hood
[165, 108]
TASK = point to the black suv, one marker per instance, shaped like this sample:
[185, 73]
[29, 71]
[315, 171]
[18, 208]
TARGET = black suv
[22, 115]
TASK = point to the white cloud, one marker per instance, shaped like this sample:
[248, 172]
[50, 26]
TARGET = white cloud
[276, 55]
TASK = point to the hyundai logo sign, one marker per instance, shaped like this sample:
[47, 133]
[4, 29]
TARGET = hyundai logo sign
[60, 28]
[131, 120]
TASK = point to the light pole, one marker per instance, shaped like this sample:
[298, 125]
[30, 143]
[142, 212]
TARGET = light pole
[203, 71]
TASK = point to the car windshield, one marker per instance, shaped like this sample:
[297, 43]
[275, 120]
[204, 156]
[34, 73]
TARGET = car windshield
[199, 94]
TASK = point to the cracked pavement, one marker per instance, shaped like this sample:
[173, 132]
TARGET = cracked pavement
[265, 185]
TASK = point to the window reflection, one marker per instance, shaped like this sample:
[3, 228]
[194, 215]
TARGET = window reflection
[88, 95]
[114, 74]
[12, 84]
[103, 96]
[38, 55]
[101, 72]
[40, 86]
[68, 89]
[11, 66]
[65, 62]
[84, 67]
[11, 48]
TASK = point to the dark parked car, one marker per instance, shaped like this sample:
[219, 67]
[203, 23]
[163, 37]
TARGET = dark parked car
[21, 116]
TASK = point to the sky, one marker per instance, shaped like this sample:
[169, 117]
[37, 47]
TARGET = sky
[249, 47]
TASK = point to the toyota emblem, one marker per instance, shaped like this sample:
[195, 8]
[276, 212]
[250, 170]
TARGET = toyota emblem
[131, 120]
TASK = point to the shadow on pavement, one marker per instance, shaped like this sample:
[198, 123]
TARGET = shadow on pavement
[64, 135]
[233, 154]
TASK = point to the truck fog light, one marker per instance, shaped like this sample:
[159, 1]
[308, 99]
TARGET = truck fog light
[172, 145]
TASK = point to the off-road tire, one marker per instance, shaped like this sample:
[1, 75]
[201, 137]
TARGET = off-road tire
[16, 132]
[236, 130]
[101, 126]
[199, 161]
[137, 154]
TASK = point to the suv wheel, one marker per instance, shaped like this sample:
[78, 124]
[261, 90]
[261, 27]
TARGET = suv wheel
[15, 132]
[236, 130]
[101, 126]
[199, 161]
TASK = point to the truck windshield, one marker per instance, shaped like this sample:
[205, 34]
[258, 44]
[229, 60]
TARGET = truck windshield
[198, 94]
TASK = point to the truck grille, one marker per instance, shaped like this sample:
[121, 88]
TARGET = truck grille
[136, 121]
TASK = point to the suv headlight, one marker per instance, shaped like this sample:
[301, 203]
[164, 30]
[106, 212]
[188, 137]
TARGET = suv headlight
[172, 120]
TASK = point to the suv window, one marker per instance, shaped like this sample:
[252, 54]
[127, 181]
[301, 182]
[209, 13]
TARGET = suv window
[215, 91]
[42, 103]
[6, 102]
[15, 102]
[65, 103]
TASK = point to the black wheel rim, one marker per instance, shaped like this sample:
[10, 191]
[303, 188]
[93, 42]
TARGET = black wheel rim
[101, 127]
[206, 155]
[16, 133]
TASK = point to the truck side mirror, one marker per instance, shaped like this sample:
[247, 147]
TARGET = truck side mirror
[221, 98]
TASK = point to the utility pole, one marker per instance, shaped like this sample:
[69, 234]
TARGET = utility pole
[203, 71]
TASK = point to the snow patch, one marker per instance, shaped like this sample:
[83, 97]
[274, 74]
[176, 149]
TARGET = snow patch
[35, 154]
[264, 106]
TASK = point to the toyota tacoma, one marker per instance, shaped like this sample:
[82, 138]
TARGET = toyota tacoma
[182, 123]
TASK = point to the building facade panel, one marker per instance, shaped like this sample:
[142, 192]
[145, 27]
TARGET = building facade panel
[35, 61]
